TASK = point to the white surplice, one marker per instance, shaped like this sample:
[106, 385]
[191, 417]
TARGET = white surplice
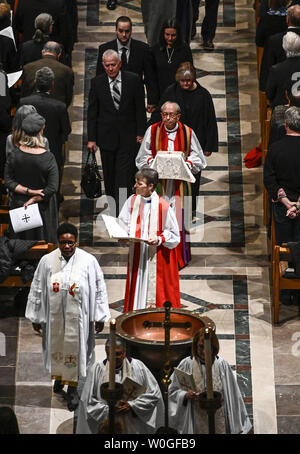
[196, 157]
[172, 239]
[147, 411]
[93, 302]
[184, 415]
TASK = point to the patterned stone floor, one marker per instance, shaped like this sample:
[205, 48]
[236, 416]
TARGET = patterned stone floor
[228, 278]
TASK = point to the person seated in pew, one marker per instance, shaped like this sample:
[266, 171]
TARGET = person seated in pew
[274, 21]
[277, 122]
[281, 179]
[185, 413]
[280, 74]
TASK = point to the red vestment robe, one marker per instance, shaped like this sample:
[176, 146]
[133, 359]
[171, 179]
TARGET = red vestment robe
[167, 276]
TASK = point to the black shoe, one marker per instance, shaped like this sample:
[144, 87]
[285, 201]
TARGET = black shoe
[58, 387]
[208, 45]
[194, 31]
[111, 4]
[72, 398]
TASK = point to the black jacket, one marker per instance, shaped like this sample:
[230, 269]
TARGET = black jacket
[108, 126]
[279, 76]
[28, 10]
[57, 127]
[282, 167]
[273, 54]
[10, 250]
[140, 62]
[197, 112]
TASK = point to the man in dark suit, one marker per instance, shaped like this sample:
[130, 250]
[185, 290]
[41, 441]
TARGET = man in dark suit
[57, 127]
[64, 76]
[116, 122]
[136, 57]
[273, 50]
[209, 23]
[283, 73]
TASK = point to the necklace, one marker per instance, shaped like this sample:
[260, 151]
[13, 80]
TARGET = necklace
[170, 54]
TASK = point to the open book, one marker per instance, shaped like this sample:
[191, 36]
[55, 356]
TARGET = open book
[131, 389]
[115, 230]
[185, 380]
[171, 165]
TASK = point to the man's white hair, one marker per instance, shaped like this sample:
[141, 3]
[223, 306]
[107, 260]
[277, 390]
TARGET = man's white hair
[291, 44]
[171, 102]
[109, 53]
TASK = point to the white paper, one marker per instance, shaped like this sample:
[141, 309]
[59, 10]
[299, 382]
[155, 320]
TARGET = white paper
[115, 230]
[8, 31]
[185, 380]
[13, 78]
[25, 219]
[171, 165]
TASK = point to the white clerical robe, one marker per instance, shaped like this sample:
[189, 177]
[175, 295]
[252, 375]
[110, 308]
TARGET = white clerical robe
[184, 414]
[171, 236]
[92, 297]
[196, 157]
[147, 411]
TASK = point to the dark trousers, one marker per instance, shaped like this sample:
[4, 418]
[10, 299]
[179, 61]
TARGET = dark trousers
[286, 229]
[118, 172]
[195, 192]
[209, 23]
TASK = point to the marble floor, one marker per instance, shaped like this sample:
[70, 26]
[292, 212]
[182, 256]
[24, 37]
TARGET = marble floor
[228, 278]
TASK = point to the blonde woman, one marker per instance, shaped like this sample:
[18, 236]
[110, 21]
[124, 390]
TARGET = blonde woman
[31, 175]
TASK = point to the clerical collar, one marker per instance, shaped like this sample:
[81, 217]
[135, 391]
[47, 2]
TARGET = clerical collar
[146, 199]
[169, 131]
[120, 45]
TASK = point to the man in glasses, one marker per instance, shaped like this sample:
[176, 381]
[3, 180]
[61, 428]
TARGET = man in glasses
[173, 136]
[68, 300]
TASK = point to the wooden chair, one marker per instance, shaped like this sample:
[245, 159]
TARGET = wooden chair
[259, 56]
[265, 141]
[36, 252]
[263, 108]
[279, 265]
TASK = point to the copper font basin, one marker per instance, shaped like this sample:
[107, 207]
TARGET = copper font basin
[148, 344]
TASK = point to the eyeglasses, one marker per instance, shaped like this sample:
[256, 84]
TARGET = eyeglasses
[69, 243]
[167, 114]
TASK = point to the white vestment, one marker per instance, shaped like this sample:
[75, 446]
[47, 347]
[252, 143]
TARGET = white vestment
[147, 411]
[196, 157]
[171, 236]
[186, 416]
[91, 298]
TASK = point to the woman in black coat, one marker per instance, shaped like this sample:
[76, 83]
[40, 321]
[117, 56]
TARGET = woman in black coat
[197, 112]
[169, 52]
[31, 175]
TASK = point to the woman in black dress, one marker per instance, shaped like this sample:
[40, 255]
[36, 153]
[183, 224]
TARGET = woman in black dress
[31, 175]
[197, 112]
[169, 52]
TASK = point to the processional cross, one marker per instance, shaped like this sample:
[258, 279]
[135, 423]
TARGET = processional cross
[167, 325]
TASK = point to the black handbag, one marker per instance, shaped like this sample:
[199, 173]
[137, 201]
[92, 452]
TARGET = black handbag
[91, 179]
